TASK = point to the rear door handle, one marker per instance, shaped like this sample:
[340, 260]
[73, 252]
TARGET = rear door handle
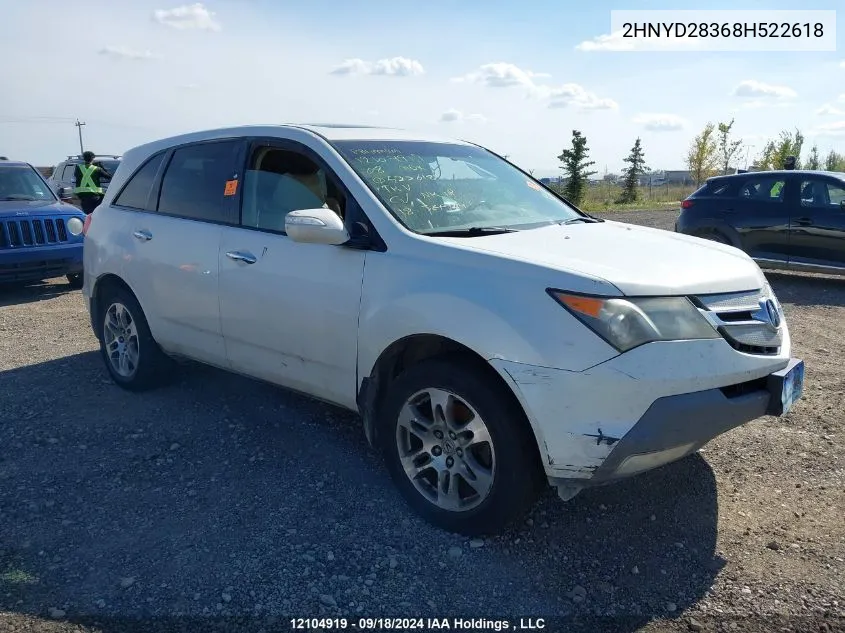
[246, 258]
[144, 236]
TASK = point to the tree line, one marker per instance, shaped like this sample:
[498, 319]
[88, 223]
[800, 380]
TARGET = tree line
[712, 152]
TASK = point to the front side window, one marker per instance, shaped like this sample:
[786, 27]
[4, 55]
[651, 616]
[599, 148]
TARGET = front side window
[763, 189]
[194, 184]
[136, 193]
[21, 182]
[280, 181]
[67, 173]
[822, 194]
[432, 187]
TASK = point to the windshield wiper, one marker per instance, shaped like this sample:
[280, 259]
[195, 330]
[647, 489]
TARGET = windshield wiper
[19, 196]
[472, 231]
[588, 219]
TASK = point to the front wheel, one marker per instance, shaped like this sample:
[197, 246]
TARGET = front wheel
[458, 447]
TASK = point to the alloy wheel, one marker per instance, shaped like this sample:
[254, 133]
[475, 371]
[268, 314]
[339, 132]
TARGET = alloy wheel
[446, 450]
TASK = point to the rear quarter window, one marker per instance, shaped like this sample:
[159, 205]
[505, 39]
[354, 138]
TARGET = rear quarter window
[136, 192]
[715, 189]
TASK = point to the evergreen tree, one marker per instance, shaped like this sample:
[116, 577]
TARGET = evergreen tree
[631, 174]
[575, 166]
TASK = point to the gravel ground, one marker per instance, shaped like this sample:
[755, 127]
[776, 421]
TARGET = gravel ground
[219, 503]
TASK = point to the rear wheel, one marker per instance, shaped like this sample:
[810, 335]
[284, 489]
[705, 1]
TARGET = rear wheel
[133, 358]
[716, 237]
[458, 448]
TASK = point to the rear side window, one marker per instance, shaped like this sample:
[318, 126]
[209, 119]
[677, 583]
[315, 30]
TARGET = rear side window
[194, 183]
[136, 193]
[718, 188]
[763, 189]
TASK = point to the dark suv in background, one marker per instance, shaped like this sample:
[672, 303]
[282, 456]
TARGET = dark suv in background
[63, 173]
[788, 220]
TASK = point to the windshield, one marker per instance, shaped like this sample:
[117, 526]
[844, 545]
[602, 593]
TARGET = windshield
[432, 187]
[21, 182]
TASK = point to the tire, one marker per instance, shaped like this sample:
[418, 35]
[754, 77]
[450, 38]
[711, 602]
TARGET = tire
[146, 366]
[515, 472]
[75, 280]
[716, 237]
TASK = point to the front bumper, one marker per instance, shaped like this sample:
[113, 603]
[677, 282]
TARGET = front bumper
[642, 409]
[40, 262]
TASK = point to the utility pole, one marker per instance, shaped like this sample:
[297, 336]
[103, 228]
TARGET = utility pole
[79, 127]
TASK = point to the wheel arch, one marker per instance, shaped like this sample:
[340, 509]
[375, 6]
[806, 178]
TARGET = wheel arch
[720, 229]
[412, 349]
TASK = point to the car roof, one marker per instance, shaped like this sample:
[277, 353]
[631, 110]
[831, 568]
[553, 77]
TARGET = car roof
[328, 131]
[79, 159]
[780, 172]
[14, 163]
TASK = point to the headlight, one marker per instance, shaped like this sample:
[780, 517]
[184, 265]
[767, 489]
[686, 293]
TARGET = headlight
[75, 226]
[627, 323]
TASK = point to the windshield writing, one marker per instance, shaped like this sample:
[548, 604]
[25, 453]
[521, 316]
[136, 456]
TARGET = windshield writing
[435, 186]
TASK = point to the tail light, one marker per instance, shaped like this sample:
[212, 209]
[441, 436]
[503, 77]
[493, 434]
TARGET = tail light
[87, 223]
[686, 204]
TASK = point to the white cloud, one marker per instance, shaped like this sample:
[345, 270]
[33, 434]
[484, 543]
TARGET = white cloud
[456, 116]
[616, 42]
[830, 129]
[501, 75]
[393, 66]
[123, 52]
[190, 16]
[660, 122]
[751, 88]
[830, 110]
[574, 95]
[506, 75]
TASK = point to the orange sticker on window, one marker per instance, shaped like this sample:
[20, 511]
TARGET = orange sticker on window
[231, 188]
[533, 185]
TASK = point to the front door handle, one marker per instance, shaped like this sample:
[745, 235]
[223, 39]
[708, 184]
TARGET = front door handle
[246, 258]
[804, 222]
[144, 236]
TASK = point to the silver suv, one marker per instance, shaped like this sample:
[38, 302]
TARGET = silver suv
[63, 173]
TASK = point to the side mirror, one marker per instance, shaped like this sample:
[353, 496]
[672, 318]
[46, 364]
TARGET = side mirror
[316, 226]
[65, 193]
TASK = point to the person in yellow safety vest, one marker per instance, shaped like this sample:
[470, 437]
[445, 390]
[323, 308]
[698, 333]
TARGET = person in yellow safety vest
[88, 188]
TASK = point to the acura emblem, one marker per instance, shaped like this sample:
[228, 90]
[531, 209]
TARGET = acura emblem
[770, 313]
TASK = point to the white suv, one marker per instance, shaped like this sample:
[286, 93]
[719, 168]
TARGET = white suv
[491, 336]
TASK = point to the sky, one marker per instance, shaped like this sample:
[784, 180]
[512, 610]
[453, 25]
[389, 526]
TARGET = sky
[515, 78]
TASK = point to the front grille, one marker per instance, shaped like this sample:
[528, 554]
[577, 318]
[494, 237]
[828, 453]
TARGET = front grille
[20, 233]
[741, 318]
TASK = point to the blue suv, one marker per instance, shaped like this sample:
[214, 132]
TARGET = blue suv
[41, 236]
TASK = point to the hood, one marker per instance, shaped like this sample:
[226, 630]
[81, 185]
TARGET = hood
[637, 260]
[34, 208]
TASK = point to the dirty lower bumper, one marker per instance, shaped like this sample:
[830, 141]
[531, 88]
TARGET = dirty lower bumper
[644, 408]
[676, 426]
